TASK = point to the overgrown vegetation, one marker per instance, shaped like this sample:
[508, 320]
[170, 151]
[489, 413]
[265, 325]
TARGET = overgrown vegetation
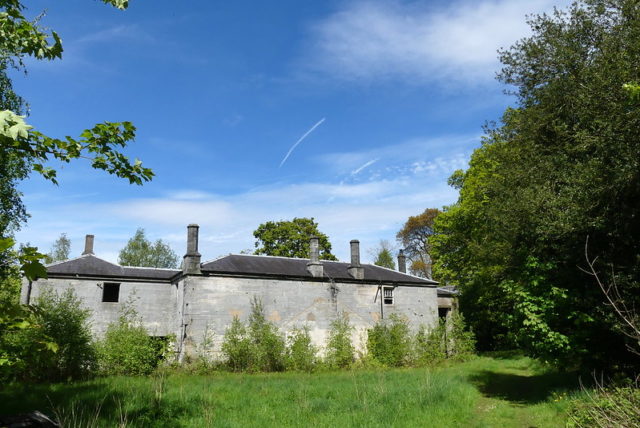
[340, 352]
[127, 348]
[506, 391]
[258, 346]
[391, 343]
[561, 166]
[607, 407]
[60, 319]
[302, 355]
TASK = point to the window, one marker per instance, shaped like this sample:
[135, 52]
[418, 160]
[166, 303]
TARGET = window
[110, 292]
[387, 293]
[443, 313]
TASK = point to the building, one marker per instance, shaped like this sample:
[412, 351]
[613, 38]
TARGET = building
[205, 297]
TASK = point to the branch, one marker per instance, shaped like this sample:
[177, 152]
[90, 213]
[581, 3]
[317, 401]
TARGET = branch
[613, 296]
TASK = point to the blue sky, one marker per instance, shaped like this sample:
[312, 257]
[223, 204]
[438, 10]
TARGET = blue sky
[221, 91]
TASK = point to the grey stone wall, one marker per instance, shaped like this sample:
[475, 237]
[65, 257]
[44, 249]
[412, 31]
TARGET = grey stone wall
[212, 302]
[154, 302]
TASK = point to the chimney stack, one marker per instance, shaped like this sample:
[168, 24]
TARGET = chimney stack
[191, 264]
[355, 269]
[88, 246]
[314, 267]
[402, 262]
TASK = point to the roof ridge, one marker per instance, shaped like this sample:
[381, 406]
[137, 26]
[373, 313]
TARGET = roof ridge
[268, 256]
[150, 267]
[404, 273]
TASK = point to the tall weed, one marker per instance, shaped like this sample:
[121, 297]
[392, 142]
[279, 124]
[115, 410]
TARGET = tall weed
[301, 353]
[340, 352]
[389, 342]
[127, 348]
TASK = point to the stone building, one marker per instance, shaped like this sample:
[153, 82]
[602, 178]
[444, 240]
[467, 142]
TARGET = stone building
[185, 303]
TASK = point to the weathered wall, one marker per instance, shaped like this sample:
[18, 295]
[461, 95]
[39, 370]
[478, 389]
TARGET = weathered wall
[154, 302]
[212, 302]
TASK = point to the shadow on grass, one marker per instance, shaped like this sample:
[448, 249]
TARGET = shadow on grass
[91, 404]
[522, 389]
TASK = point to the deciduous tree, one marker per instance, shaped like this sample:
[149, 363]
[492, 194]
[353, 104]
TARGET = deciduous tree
[383, 255]
[139, 251]
[60, 249]
[290, 238]
[562, 165]
[415, 236]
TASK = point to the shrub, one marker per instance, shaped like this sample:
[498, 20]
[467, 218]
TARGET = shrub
[340, 351]
[60, 319]
[236, 346]
[389, 342]
[429, 347]
[66, 322]
[127, 348]
[301, 354]
[607, 407]
[255, 347]
[461, 341]
[268, 344]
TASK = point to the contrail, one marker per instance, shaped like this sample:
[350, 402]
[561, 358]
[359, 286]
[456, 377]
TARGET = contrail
[300, 140]
[371, 162]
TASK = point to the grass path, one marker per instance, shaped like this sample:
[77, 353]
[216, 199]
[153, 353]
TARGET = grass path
[518, 392]
[484, 392]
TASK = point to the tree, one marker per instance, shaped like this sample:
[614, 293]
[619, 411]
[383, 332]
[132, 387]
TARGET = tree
[290, 239]
[24, 150]
[139, 251]
[60, 249]
[560, 167]
[383, 255]
[415, 236]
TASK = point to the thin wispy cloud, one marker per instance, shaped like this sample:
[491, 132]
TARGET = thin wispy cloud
[369, 201]
[361, 168]
[300, 141]
[415, 42]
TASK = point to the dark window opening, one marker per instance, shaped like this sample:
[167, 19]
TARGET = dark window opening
[110, 292]
[388, 296]
[443, 313]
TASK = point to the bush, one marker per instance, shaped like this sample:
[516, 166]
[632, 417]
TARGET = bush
[236, 347]
[429, 347]
[449, 339]
[127, 349]
[607, 407]
[389, 342]
[340, 351]
[461, 341]
[66, 322]
[301, 354]
[257, 347]
[60, 319]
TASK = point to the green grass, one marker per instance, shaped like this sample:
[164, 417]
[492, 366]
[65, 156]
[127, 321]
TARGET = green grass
[485, 392]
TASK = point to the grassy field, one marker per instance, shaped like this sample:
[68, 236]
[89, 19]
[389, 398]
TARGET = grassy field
[485, 392]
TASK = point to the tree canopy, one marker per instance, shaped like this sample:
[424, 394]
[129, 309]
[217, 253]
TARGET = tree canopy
[383, 255]
[60, 249]
[562, 166]
[139, 251]
[24, 150]
[415, 236]
[290, 238]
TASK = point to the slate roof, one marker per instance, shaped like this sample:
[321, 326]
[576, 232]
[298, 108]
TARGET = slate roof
[90, 265]
[447, 291]
[291, 267]
[235, 264]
